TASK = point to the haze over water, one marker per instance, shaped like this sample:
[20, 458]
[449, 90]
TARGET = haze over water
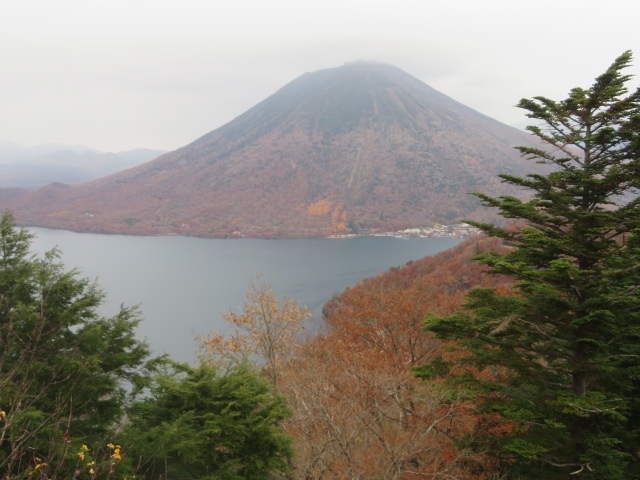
[183, 285]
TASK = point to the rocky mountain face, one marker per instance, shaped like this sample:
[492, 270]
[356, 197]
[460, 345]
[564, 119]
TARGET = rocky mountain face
[360, 148]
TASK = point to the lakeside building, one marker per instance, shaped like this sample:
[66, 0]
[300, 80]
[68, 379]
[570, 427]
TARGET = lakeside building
[457, 230]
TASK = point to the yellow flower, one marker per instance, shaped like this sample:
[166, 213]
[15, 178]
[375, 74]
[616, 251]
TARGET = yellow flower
[81, 453]
[115, 451]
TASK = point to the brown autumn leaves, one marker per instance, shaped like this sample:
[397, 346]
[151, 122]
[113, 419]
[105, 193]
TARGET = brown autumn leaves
[358, 409]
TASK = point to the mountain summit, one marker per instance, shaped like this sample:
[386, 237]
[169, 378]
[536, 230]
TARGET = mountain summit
[362, 147]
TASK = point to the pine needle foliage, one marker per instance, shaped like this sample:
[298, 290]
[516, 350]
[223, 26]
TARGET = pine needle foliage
[555, 366]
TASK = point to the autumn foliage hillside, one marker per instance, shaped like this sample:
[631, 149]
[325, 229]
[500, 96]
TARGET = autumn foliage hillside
[449, 273]
[359, 410]
[359, 148]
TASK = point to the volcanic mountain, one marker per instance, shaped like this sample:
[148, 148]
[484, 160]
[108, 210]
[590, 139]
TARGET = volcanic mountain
[362, 147]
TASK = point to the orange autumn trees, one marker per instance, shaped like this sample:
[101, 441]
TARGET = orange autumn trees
[359, 411]
[333, 209]
[267, 331]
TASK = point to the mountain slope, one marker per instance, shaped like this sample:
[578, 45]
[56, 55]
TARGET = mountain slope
[360, 147]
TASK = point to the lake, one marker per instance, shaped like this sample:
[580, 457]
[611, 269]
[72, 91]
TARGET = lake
[184, 285]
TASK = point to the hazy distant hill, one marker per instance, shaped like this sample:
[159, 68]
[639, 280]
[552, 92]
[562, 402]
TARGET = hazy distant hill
[360, 147]
[33, 167]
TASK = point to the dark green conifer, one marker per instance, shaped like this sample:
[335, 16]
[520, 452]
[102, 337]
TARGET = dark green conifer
[558, 362]
[211, 425]
[63, 367]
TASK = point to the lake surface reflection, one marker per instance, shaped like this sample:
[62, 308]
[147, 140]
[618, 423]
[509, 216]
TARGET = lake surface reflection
[184, 284]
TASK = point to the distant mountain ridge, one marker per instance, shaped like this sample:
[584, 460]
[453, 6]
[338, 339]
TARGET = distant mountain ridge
[362, 147]
[33, 167]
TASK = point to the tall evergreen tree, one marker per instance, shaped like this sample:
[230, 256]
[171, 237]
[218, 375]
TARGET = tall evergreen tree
[62, 365]
[555, 367]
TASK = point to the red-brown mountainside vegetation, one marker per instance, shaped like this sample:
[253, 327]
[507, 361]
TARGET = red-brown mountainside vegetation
[359, 148]
[359, 410]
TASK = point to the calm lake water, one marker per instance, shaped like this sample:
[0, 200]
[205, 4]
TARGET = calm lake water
[183, 284]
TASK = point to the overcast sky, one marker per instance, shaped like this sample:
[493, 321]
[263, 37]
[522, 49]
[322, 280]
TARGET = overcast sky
[123, 74]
